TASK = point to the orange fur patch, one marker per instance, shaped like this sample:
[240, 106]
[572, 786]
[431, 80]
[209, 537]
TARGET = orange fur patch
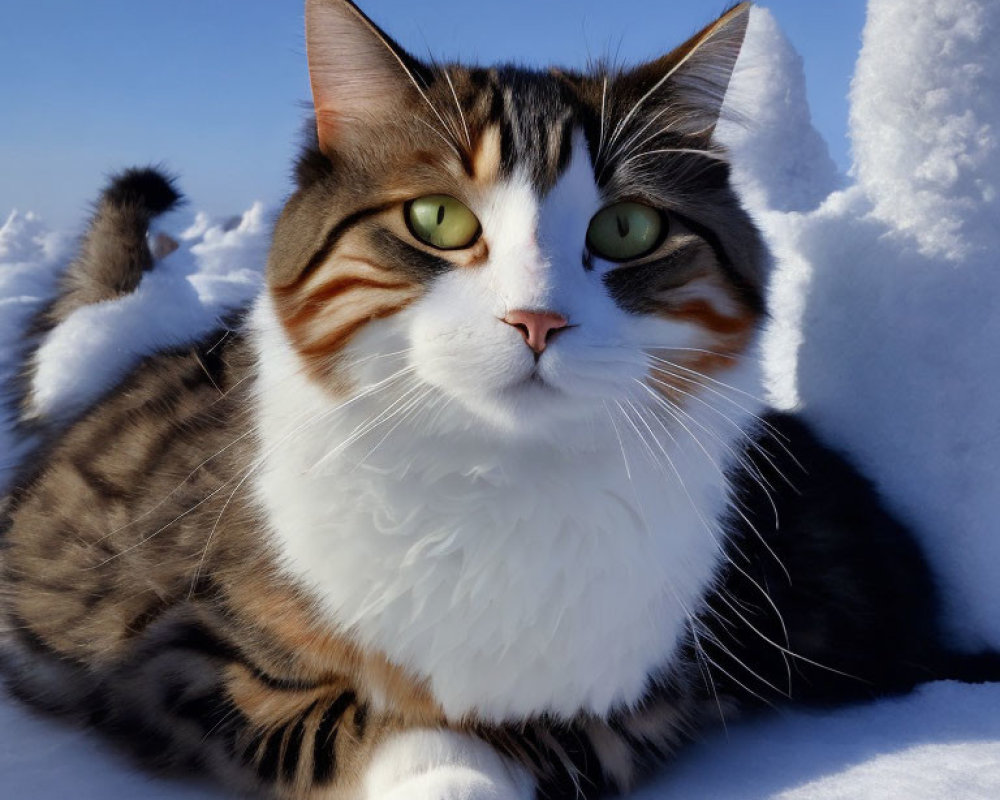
[325, 310]
[486, 158]
[315, 654]
[726, 337]
[703, 313]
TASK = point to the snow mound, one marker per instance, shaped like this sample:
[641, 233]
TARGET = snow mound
[941, 742]
[903, 311]
[217, 268]
[30, 258]
[886, 298]
[924, 121]
[779, 159]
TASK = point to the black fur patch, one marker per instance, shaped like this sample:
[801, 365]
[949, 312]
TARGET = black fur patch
[144, 188]
[851, 608]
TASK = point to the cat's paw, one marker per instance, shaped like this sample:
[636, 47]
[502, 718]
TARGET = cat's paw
[453, 783]
[443, 765]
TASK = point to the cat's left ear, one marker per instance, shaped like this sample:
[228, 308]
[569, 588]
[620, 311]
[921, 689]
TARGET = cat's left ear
[359, 75]
[694, 77]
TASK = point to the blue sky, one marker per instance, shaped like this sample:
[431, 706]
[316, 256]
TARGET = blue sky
[215, 89]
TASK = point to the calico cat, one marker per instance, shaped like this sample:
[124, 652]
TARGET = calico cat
[476, 500]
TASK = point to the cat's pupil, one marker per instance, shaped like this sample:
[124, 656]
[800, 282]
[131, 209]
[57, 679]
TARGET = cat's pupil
[623, 226]
[440, 216]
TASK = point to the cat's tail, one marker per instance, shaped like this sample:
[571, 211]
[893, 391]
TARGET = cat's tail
[116, 250]
[114, 254]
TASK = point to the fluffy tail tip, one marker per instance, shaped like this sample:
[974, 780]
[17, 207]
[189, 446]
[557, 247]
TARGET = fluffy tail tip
[144, 188]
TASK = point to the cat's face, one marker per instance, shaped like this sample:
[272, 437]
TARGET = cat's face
[535, 247]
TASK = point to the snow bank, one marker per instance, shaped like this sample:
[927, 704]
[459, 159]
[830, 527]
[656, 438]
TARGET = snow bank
[781, 162]
[940, 743]
[781, 165]
[218, 267]
[924, 123]
[903, 312]
[886, 297]
[30, 259]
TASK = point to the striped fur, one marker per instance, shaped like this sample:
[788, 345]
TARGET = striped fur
[172, 560]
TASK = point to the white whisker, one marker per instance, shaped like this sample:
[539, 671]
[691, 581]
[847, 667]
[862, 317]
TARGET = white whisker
[364, 427]
[653, 90]
[461, 113]
[604, 101]
[262, 459]
[715, 641]
[621, 444]
[416, 85]
[678, 151]
[441, 136]
[765, 425]
[745, 463]
[405, 411]
[171, 493]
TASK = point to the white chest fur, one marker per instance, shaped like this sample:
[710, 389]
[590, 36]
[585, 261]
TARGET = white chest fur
[518, 577]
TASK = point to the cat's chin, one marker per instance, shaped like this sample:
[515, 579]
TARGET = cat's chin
[531, 407]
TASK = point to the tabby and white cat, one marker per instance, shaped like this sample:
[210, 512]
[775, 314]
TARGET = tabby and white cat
[475, 501]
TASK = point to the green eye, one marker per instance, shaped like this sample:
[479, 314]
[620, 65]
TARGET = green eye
[442, 222]
[625, 230]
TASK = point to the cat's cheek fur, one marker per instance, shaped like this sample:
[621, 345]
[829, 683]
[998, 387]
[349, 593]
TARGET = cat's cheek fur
[443, 765]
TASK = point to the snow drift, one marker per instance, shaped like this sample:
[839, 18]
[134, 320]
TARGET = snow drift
[898, 289]
[886, 303]
[30, 259]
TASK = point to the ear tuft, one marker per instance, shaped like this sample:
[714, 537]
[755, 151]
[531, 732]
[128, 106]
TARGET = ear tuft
[358, 74]
[695, 76]
[706, 68]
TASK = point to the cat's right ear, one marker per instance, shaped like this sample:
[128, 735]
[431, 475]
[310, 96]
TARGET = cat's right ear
[358, 74]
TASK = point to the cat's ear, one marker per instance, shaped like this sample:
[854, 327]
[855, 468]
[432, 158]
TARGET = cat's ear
[694, 77]
[358, 74]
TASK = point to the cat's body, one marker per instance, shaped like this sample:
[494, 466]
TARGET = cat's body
[480, 520]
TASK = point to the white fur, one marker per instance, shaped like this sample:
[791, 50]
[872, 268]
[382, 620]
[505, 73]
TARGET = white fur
[443, 765]
[523, 546]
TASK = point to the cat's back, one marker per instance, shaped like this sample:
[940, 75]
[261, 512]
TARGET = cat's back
[117, 513]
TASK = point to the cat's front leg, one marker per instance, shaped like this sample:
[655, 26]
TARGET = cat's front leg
[439, 764]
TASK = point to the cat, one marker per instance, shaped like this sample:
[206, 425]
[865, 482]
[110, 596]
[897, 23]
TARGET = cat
[476, 500]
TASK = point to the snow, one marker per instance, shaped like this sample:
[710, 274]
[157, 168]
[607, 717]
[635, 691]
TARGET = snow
[30, 258]
[886, 300]
[216, 268]
[940, 743]
[888, 293]
[41, 759]
[924, 122]
[783, 163]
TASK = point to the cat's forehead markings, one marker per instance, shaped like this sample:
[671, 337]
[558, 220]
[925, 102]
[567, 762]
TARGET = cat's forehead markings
[486, 160]
[423, 164]
[559, 144]
[566, 209]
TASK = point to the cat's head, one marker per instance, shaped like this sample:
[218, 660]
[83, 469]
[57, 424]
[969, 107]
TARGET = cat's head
[535, 245]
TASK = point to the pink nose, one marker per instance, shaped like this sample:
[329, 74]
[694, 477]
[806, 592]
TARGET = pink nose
[536, 326]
